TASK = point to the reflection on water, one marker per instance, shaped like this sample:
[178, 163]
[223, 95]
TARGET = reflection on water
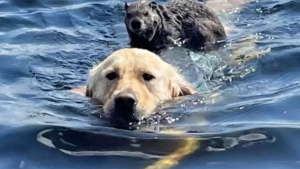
[99, 147]
[246, 114]
[133, 145]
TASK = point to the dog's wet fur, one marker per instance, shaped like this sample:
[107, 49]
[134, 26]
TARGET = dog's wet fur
[131, 82]
[155, 26]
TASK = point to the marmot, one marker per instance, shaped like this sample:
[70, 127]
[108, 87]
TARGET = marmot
[154, 26]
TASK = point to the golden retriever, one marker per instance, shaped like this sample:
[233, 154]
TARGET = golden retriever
[131, 82]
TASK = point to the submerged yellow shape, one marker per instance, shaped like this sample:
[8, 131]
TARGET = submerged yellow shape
[192, 144]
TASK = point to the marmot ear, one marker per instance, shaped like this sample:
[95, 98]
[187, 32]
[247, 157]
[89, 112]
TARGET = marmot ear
[126, 6]
[153, 5]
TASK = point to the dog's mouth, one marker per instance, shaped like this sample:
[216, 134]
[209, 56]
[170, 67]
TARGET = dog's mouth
[138, 32]
[124, 117]
[147, 35]
[150, 34]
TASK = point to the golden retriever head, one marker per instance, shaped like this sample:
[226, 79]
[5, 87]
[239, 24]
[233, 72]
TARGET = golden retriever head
[131, 82]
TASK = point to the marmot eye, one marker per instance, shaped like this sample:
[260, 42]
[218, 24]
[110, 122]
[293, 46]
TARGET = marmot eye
[111, 76]
[147, 77]
[146, 13]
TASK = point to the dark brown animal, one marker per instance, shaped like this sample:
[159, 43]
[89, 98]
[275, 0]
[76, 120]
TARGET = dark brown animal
[154, 26]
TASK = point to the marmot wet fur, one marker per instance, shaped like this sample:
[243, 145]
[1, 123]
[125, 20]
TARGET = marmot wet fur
[154, 26]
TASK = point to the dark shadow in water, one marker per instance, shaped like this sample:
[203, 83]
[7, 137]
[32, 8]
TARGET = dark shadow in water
[48, 147]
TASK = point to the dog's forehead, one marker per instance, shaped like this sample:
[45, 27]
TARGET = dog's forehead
[138, 5]
[135, 59]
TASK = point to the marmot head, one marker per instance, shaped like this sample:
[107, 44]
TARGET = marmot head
[143, 19]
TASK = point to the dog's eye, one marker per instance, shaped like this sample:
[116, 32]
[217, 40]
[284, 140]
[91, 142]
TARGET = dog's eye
[146, 13]
[111, 76]
[147, 77]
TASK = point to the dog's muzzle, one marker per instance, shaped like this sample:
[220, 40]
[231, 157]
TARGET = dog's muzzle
[125, 108]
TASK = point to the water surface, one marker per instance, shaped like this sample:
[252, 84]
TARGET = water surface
[246, 115]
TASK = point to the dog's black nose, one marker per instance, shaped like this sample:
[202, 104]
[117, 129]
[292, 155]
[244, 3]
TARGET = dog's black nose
[125, 100]
[124, 111]
[136, 24]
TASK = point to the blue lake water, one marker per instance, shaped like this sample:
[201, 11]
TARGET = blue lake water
[48, 46]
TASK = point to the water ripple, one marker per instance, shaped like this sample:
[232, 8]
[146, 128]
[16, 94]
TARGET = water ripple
[47, 47]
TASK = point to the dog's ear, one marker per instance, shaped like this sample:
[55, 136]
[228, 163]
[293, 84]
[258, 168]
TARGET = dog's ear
[84, 91]
[180, 87]
[153, 5]
[88, 92]
[126, 6]
[162, 12]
